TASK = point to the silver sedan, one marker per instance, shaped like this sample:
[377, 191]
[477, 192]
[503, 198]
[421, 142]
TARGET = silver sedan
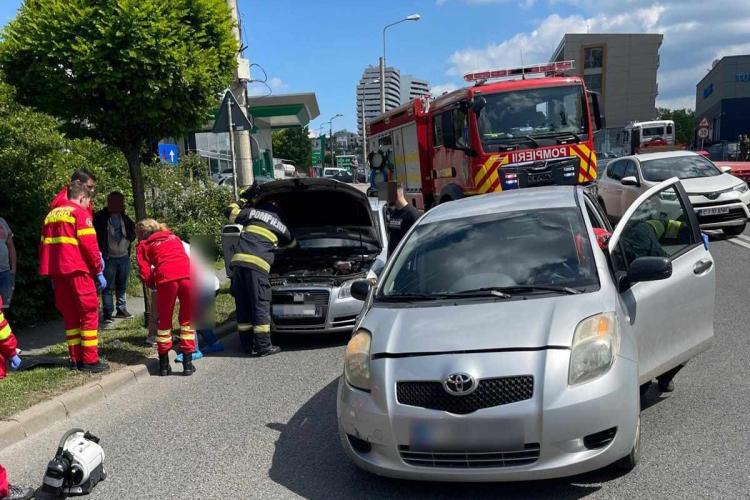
[510, 334]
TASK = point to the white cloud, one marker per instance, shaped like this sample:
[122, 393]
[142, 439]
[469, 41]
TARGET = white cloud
[694, 35]
[438, 90]
[277, 83]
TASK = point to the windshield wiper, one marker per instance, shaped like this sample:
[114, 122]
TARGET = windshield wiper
[410, 296]
[480, 292]
[545, 288]
[565, 133]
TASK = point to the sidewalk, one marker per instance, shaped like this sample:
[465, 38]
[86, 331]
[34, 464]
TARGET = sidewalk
[37, 339]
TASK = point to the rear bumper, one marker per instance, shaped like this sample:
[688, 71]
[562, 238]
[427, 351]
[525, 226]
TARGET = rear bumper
[555, 420]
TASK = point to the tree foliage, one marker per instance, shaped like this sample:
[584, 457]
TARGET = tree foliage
[122, 71]
[684, 122]
[294, 144]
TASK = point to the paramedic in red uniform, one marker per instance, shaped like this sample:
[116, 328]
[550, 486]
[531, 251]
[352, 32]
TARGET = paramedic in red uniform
[69, 254]
[165, 266]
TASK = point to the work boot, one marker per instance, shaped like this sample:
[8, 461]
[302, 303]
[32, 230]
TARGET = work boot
[18, 493]
[164, 368]
[75, 365]
[274, 349]
[97, 367]
[187, 365]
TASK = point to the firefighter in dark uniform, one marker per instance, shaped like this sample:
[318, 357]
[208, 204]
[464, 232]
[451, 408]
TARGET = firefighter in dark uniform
[262, 233]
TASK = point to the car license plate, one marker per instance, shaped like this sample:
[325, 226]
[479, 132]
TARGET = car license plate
[301, 311]
[714, 211]
[461, 435]
[537, 178]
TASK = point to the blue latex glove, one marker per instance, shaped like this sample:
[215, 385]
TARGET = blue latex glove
[101, 280]
[15, 362]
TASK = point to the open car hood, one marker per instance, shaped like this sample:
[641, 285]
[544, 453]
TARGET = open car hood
[310, 204]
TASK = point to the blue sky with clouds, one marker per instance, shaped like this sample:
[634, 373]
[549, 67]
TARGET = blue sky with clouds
[324, 46]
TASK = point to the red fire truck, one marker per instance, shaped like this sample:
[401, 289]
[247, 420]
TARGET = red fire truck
[534, 127]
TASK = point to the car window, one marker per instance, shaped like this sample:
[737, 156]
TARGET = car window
[616, 169]
[630, 169]
[437, 130]
[523, 248]
[461, 128]
[594, 216]
[660, 227]
[682, 167]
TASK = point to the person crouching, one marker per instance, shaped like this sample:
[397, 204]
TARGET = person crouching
[165, 266]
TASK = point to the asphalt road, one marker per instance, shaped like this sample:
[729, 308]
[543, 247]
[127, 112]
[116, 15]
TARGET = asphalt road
[247, 428]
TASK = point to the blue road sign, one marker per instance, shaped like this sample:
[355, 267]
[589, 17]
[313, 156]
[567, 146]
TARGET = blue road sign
[169, 153]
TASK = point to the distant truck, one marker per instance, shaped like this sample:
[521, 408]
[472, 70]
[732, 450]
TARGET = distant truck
[283, 169]
[534, 127]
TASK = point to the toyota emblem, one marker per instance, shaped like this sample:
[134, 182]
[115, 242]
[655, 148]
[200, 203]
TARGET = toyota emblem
[459, 384]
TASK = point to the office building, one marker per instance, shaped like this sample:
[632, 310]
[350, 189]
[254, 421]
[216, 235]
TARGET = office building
[622, 68]
[413, 88]
[722, 97]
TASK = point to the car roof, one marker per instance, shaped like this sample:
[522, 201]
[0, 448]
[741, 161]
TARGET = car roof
[508, 201]
[660, 155]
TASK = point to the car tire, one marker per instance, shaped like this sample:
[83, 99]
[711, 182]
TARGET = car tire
[734, 230]
[629, 461]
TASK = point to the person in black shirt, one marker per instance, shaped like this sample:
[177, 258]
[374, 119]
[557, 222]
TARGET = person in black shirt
[402, 218]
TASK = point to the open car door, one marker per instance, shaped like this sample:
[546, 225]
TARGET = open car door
[671, 316]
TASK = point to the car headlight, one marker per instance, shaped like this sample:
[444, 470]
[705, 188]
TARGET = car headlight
[346, 290]
[357, 360]
[595, 345]
[741, 188]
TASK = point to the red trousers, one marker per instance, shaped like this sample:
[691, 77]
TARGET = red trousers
[3, 373]
[166, 295]
[3, 482]
[76, 299]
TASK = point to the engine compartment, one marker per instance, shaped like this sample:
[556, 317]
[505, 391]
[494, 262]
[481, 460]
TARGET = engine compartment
[319, 267]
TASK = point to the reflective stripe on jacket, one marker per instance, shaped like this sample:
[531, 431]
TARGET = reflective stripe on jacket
[262, 233]
[7, 339]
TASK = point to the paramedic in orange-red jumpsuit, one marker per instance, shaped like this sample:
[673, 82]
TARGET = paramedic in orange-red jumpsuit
[7, 345]
[69, 254]
[84, 177]
[165, 266]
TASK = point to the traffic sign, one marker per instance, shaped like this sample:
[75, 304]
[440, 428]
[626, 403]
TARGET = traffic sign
[344, 161]
[317, 157]
[169, 153]
[702, 133]
[239, 120]
[703, 124]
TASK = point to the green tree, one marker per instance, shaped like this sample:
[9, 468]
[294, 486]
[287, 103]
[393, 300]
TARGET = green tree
[294, 144]
[684, 122]
[122, 71]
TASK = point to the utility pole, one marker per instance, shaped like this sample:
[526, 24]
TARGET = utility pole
[240, 140]
[231, 150]
[364, 135]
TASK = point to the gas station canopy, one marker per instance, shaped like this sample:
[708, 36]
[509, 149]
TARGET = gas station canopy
[284, 110]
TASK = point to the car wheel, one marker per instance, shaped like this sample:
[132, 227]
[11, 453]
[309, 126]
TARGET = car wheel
[628, 462]
[734, 230]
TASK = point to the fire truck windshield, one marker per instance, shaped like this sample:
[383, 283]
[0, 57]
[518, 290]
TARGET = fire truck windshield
[522, 116]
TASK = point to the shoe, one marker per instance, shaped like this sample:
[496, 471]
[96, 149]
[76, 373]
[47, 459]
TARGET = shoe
[18, 493]
[124, 314]
[270, 352]
[164, 368]
[215, 347]
[94, 367]
[187, 365]
[666, 386]
[74, 366]
[107, 321]
[196, 356]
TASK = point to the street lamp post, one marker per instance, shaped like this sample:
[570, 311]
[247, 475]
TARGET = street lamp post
[413, 17]
[330, 134]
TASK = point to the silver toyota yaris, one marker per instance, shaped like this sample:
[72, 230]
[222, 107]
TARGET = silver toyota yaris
[510, 334]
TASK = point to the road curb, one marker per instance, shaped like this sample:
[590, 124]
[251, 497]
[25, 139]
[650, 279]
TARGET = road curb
[70, 403]
[65, 406]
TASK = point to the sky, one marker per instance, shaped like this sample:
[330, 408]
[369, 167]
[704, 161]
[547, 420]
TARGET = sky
[324, 46]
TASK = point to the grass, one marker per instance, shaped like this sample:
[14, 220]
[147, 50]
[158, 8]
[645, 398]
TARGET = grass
[121, 344]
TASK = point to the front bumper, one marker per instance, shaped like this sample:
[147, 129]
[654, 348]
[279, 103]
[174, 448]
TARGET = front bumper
[737, 210]
[555, 420]
[333, 314]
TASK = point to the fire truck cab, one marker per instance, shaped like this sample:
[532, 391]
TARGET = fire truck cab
[510, 134]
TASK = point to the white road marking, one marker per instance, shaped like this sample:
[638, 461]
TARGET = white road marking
[744, 237]
[738, 242]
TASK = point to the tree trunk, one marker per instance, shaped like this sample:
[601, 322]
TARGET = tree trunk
[136, 178]
[139, 198]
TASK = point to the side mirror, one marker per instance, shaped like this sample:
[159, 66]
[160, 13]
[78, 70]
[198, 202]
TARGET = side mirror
[599, 123]
[649, 269]
[479, 103]
[726, 169]
[361, 289]
[630, 181]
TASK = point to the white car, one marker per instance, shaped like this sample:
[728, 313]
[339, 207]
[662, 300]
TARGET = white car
[720, 200]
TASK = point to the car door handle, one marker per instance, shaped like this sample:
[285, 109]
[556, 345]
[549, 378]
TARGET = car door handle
[702, 266]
